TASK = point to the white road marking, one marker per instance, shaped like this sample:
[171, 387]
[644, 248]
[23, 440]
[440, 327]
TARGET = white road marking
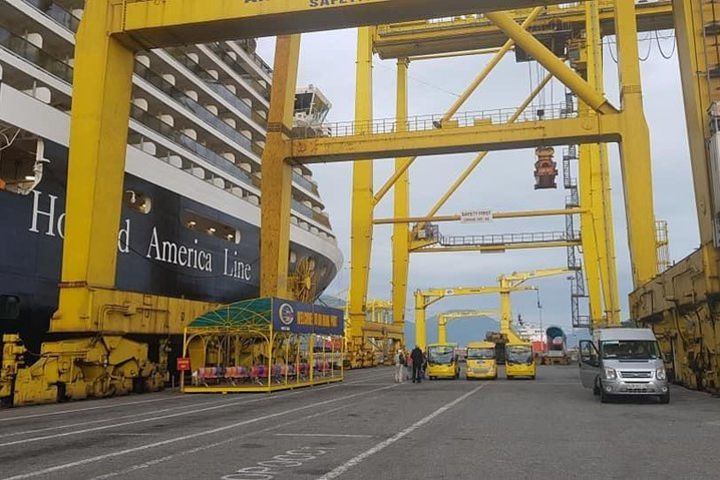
[166, 397]
[156, 461]
[99, 407]
[169, 441]
[386, 443]
[103, 420]
[160, 417]
[321, 435]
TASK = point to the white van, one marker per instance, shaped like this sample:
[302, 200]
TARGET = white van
[623, 361]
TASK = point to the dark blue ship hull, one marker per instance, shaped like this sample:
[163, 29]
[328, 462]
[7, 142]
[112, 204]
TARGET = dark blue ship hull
[157, 252]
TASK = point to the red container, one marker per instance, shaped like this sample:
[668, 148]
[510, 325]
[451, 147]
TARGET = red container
[538, 347]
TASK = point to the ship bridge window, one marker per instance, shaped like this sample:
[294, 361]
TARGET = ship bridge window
[21, 160]
[193, 221]
[138, 201]
[9, 307]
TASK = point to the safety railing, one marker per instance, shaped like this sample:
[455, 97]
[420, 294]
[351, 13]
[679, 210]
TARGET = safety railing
[497, 239]
[199, 110]
[170, 132]
[202, 74]
[435, 121]
[22, 48]
[221, 51]
[56, 13]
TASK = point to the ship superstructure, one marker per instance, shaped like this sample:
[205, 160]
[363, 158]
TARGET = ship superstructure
[190, 222]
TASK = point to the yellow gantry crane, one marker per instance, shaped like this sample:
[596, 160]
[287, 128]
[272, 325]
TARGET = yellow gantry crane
[507, 284]
[425, 298]
[444, 318]
[579, 28]
[512, 281]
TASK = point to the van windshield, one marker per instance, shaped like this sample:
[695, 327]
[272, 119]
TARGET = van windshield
[630, 350]
[441, 355]
[480, 353]
[518, 354]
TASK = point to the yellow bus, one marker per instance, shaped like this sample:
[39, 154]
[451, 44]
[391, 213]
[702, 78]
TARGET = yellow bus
[442, 361]
[519, 361]
[481, 361]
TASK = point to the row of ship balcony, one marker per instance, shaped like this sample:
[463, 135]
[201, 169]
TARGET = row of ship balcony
[164, 124]
[69, 13]
[215, 73]
[221, 70]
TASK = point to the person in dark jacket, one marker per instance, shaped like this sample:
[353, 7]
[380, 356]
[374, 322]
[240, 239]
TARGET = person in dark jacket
[417, 363]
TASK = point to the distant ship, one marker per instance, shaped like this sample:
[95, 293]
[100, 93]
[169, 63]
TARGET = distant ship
[190, 217]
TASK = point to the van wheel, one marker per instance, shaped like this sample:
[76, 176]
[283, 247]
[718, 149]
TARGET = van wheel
[664, 399]
[596, 388]
[604, 397]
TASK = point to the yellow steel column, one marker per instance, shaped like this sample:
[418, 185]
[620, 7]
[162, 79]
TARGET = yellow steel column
[401, 232]
[699, 91]
[505, 311]
[588, 159]
[276, 185]
[362, 195]
[635, 149]
[98, 138]
[442, 328]
[590, 193]
[420, 325]
[601, 203]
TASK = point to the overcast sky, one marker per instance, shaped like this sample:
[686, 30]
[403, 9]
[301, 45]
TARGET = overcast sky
[504, 181]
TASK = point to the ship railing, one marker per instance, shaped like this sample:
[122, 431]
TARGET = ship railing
[199, 110]
[213, 158]
[420, 123]
[20, 47]
[180, 138]
[204, 75]
[221, 52]
[57, 13]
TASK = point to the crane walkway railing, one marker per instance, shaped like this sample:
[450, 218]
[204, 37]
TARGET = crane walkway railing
[429, 122]
[500, 239]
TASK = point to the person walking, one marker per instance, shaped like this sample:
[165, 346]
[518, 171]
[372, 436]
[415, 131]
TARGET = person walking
[417, 363]
[400, 366]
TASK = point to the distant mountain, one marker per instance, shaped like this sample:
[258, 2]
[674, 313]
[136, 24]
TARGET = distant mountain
[460, 331]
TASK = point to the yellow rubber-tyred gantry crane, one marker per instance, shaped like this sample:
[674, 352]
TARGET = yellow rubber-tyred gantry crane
[425, 298]
[444, 318]
[581, 28]
[512, 281]
[94, 318]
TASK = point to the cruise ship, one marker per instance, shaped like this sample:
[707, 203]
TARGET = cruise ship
[192, 179]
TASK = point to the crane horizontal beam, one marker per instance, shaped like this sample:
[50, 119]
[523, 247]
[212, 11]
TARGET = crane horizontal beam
[151, 24]
[475, 32]
[460, 291]
[480, 136]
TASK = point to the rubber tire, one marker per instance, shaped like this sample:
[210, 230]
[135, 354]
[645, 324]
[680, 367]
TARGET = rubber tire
[604, 397]
[596, 388]
[532, 378]
[664, 399]
[509, 377]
